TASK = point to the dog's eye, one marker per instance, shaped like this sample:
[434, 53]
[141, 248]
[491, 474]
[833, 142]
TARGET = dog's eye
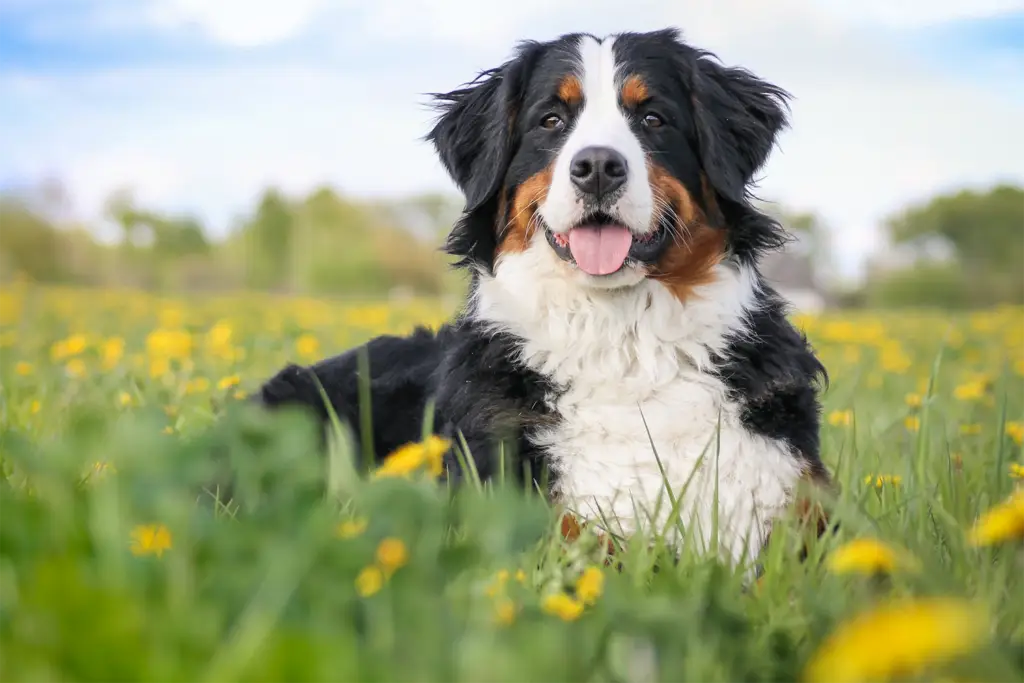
[652, 120]
[551, 122]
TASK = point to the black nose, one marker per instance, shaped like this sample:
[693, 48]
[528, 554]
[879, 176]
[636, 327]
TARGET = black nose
[598, 171]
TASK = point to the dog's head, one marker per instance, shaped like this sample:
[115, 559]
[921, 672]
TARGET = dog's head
[628, 157]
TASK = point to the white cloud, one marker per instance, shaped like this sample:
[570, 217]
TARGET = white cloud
[912, 13]
[242, 23]
[208, 141]
[872, 128]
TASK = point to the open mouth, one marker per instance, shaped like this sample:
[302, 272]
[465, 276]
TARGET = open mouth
[599, 245]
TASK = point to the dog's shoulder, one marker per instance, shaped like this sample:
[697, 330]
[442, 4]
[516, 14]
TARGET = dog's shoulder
[773, 374]
[482, 379]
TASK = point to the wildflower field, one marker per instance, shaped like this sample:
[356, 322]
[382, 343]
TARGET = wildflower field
[116, 564]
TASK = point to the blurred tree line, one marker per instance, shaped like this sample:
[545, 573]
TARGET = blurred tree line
[963, 249]
[959, 250]
[322, 243]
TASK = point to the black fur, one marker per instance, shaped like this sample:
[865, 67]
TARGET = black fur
[475, 137]
[401, 372]
[773, 375]
[722, 124]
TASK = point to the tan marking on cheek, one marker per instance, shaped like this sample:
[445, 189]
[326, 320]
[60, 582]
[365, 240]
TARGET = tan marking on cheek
[570, 90]
[667, 188]
[690, 258]
[634, 92]
[526, 200]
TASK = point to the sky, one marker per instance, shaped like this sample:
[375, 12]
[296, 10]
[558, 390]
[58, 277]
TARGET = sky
[197, 105]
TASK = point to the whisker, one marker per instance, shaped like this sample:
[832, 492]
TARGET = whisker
[533, 202]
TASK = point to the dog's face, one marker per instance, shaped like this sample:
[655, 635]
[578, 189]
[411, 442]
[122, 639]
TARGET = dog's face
[625, 156]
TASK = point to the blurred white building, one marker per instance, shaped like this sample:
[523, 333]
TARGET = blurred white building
[792, 272]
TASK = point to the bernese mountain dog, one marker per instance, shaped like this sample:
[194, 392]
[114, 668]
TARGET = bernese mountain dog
[617, 335]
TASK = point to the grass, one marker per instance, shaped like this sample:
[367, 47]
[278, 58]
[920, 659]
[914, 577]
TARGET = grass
[113, 567]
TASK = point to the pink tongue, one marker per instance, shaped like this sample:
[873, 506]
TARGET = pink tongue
[600, 249]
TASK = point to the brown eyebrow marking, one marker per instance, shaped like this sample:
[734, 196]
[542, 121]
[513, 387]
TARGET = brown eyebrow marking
[634, 91]
[570, 90]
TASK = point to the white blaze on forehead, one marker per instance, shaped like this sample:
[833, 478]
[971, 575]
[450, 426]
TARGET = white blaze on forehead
[601, 123]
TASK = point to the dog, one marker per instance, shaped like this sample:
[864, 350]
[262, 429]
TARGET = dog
[617, 335]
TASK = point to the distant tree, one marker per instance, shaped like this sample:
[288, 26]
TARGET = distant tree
[154, 243]
[983, 233]
[985, 230]
[29, 243]
[267, 238]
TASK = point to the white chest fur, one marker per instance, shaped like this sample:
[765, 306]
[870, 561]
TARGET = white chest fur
[628, 356]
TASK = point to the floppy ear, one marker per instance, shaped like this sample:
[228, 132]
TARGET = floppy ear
[474, 136]
[738, 117]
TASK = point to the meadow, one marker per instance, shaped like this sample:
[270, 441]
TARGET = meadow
[116, 564]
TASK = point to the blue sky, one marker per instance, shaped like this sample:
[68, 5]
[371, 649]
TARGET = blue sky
[197, 105]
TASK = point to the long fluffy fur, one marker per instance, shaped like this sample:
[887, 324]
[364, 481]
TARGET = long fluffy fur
[578, 382]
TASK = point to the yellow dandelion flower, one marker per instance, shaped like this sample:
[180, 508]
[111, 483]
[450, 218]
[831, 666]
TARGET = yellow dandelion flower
[124, 399]
[883, 479]
[218, 341]
[150, 539]
[350, 528]
[520, 576]
[1016, 470]
[497, 585]
[590, 585]
[970, 429]
[112, 352]
[369, 581]
[35, 407]
[370, 317]
[226, 383]
[969, 391]
[158, 367]
[898, 639]
[76, 367]
[168, 429]
[912, 423]
[220, 333]
[563, 606]
[504, 611]
[913, 400]
[239, 395]
[169, 344]
[66, 348]
[840, 418]
[197, 385]
[411, 457]
[1004, 522]
[1015, 430]
[895, 359]
[869, 556]
[23, 368]
[392, 555]
[307, 346]
[401, 462]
